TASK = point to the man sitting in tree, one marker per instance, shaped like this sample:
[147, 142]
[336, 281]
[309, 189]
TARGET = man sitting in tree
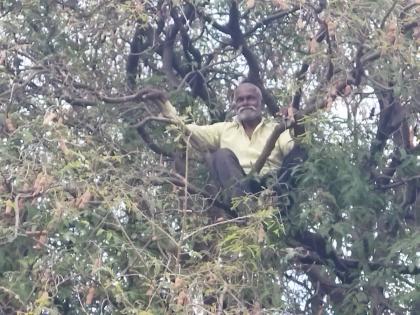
[235, 146]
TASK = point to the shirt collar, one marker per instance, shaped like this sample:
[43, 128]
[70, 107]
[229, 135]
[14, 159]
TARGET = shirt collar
[238, 123]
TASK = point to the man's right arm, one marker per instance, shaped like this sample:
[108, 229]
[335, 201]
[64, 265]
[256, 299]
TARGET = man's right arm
[202, 138]
[160, 98]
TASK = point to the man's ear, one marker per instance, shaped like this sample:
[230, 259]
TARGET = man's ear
[231, 111]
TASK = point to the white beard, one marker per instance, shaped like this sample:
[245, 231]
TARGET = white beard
[248, 114]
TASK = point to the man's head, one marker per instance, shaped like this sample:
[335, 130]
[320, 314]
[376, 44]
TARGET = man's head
[247, 102]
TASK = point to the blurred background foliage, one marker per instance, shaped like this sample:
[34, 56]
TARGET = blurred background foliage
[105, 211]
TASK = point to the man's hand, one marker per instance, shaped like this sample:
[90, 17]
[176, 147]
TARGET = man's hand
[152, 94]
[160, 98]
[287, 113]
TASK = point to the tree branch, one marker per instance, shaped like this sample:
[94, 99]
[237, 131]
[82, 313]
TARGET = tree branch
[142, 39]
[319, 254]
[269, 19]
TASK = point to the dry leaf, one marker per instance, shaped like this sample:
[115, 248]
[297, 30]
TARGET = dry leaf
[329, 103]
[321, 310]
[416, 33]
[333, 91]
[290, 114]
[42, 240]
[63, 147]
[96, 265]
[21, 203]
[261, 234]
[332, 27]
[179, 283]
[211, 279]
[313, 67]
[49, 118]
[9, 208]
[150, 291]
[256, 309]
[36, 233]
[10, 127]
[300, 24]
[317, 216]
[313, 45]
[2, 57]
[411, 137]
[250, 4]
[391, 33]
[41, 183]
[58, 210]
[281, 4]
[347, 90]
[90, 295]
[182, 298]
[83, 200]
[139, 7]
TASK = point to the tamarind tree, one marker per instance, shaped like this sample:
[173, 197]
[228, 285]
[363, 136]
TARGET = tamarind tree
[105, 209]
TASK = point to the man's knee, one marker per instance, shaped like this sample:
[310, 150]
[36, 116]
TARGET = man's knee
[225, 168]
[224, 159]
[223, 154]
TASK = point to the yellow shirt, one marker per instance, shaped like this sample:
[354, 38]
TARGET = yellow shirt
[231, 135]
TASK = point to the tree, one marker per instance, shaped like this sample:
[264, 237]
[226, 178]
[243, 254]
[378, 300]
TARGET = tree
[104, 208]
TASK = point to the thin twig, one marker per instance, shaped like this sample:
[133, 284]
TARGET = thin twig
[388, 13]
[15, 295]
[148, 119]
[238, 219]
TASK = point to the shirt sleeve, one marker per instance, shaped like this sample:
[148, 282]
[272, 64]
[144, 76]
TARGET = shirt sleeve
[208, 136]
[169, 111]
[285, 142]
[203, 137]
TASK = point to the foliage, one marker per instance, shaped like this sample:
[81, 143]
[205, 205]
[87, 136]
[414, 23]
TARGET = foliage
[104, 210]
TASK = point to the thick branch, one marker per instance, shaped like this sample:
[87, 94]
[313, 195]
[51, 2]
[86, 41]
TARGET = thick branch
[390, 120]
[269, 19]
[141, 129]
[327, 285]
[320, 254]
[238, 40]
[167, 55]
[142, 39]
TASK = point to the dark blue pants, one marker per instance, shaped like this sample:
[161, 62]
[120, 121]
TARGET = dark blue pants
[228, 173]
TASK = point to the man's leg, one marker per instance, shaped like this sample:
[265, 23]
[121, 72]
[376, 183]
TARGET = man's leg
[228, 173]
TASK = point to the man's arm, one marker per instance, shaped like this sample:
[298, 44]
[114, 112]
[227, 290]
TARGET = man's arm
[202, 138]
[160, 98]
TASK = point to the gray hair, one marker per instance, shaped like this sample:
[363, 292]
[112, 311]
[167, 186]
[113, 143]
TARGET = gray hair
[250, 85]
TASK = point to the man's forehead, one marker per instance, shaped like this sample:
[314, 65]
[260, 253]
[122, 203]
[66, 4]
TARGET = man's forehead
[245, 87]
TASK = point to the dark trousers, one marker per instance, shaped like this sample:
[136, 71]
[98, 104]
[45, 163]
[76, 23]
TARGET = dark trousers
[228, 173]
[230, 176]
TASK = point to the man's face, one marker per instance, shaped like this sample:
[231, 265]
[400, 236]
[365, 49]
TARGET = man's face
[248, 103]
